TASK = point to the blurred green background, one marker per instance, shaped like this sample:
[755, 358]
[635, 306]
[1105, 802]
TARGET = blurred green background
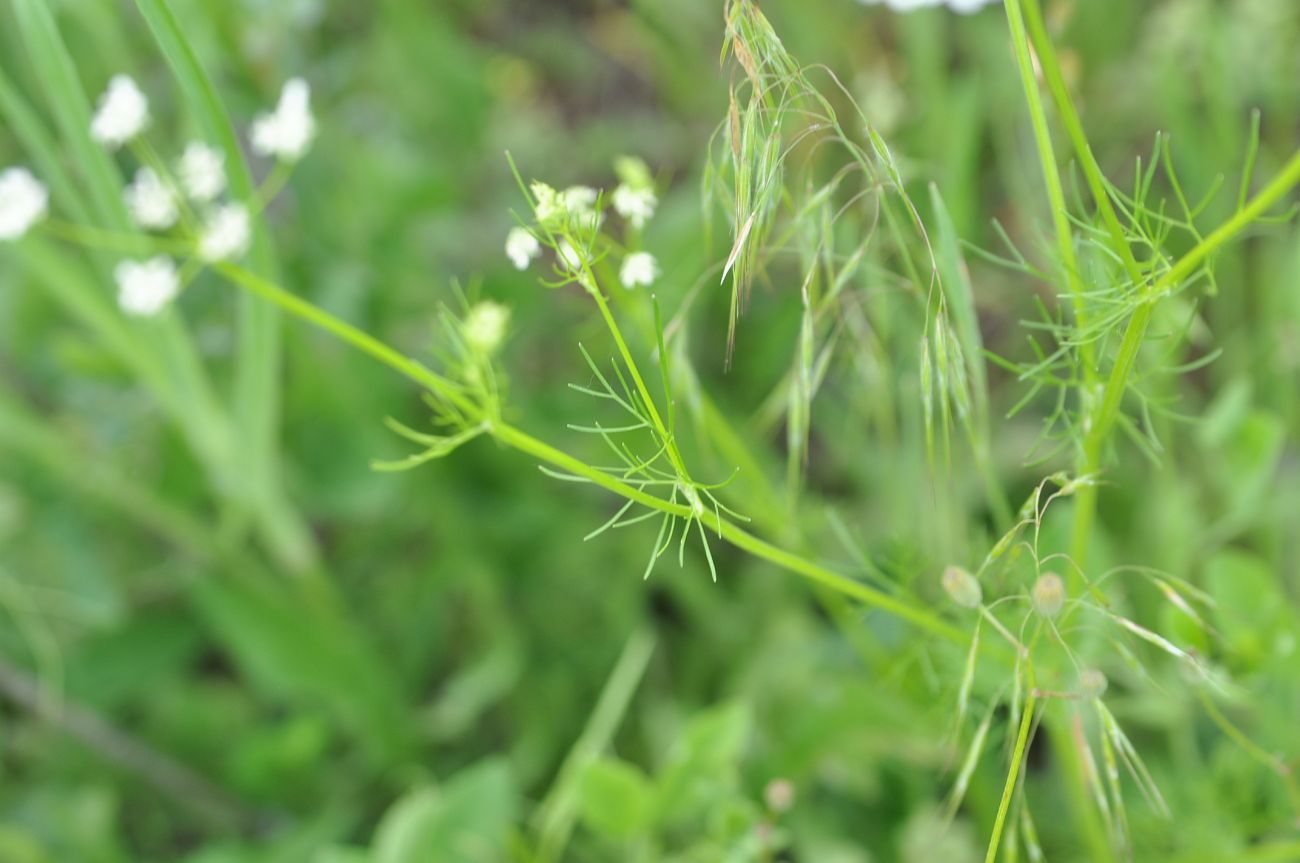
[417, 694]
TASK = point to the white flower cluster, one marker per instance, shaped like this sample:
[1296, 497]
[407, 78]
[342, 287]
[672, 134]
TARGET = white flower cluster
[225, 233]
[575, 214]
[965, 7]
[286, 132]
[151, 202]
[123, 112]
[639, 269]
[23, 202]
[156, 200]
[634, 198]
[522, 247]
[202, 170]
[145, 287]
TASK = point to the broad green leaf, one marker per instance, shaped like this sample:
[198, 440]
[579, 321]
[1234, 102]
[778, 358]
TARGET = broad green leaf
[294, 648]
[616, 799]
[704, 764]
[467, 820]
[1252, 613]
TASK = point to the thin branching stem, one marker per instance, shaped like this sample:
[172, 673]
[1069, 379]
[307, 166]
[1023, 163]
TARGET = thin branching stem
[1135, 333]
[921, 617]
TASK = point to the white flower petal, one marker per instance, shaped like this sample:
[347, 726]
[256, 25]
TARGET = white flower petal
[23, 202]
[226, 234]
[579, 200]
[145, 287]
[636, 204]
[580, 203]
[639, 269]
[286, 132]
[550, 205]
[202, 172]
[123, 112]
[150, 202]
[521, 247]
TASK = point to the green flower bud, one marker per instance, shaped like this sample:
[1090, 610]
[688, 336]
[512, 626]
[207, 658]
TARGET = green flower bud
[1049, 594]
[1092, 682]
[962, 587]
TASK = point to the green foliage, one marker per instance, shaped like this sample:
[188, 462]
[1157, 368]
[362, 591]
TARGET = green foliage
[468, 818]
[617, 799]
[273, 593]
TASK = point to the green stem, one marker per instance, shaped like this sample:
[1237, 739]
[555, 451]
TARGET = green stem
[257, 363]
[515, 438]
[1052, 179]
[557, 811]
[96, 238]
[1135, 333]
[670, 443]
[1078, 138]
[359, 339]
[1101, 420]
[1017, 759]
[1066, 751]
[1088, 459]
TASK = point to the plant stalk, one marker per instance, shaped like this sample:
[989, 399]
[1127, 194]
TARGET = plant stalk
[508, 435]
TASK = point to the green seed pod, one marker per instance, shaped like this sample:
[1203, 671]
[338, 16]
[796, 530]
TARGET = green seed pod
[962, 587]
[1049, 594]
[1092, 682]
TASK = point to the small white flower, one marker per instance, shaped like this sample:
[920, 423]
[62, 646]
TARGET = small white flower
[151, 203]
[579, 200]
[550, 205]
[144, 287]
[202, 170]
[639, 268]
[226, 234]
[521, 247]
[572, 260]
[484, 327]
[23, 202]
[122, 113]
[636, 204]
[286, 132]
[580, 203]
